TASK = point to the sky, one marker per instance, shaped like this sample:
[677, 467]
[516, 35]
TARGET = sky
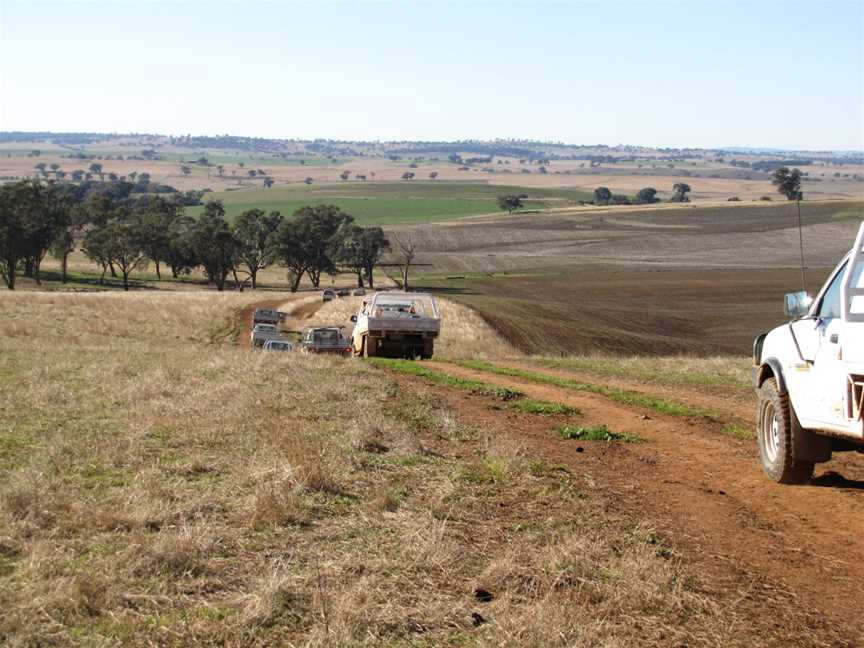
[760, 73]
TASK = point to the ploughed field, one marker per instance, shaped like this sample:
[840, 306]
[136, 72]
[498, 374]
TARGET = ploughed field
[691, 279]
[629, 312]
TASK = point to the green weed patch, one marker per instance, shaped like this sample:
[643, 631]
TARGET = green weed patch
[416, 369]
[596, 433]
[623, 396]
[543, 408]
[738, 432]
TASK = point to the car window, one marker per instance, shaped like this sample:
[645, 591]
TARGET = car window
[829, 308]
[857, 305]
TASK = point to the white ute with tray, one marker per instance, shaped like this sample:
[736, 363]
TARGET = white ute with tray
[809, 376]
[397, 325]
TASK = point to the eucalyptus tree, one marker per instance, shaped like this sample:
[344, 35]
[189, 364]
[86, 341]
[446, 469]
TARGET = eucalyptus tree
[253, 229]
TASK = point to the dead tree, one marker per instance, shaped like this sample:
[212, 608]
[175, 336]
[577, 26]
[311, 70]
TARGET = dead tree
[406, 251]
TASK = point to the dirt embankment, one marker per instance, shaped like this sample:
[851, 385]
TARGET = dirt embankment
[792, 551]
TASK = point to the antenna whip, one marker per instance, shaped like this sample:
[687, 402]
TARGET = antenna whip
[801, 244]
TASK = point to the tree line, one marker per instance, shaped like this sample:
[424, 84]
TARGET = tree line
[124, 232]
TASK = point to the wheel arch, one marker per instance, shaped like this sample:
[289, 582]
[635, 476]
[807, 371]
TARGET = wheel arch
[771, 368]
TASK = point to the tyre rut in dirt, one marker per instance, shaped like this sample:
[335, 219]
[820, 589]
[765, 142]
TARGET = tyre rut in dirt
[774, 422]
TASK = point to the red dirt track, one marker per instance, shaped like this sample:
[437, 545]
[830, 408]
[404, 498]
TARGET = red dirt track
[707, 493]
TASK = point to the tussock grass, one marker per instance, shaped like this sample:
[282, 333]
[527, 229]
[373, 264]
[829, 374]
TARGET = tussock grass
[624, 396]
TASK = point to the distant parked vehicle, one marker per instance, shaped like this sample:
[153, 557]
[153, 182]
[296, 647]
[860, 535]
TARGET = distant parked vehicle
[358, 292]
[343, 292]
[325, 339]
[278, 345]
[261, 333]
[328, 295]
[267, 316]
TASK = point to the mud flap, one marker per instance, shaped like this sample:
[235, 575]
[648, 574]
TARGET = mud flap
[807, 446]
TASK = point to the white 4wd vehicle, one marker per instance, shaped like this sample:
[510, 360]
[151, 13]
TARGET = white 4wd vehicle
[809, 376]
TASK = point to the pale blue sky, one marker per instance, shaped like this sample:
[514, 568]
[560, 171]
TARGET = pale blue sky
[774, 74]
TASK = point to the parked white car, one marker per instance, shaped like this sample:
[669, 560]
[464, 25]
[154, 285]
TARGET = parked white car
[809, 375]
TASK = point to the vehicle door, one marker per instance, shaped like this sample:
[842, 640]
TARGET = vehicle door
[824, 400]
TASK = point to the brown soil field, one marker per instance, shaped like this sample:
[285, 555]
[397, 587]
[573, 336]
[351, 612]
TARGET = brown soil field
[697, 279]
[703, 312]
[667, 236]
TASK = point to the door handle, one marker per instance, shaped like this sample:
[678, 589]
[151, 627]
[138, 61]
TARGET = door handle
[834, 338]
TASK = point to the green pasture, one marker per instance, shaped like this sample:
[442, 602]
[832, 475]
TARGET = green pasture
[389, 203]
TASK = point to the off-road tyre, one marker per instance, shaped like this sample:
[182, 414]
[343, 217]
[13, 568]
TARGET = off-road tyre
[774, 423]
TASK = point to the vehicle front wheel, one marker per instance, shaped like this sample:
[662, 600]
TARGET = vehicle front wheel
[774, 421]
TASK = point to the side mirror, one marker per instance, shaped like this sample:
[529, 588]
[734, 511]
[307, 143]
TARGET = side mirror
[797, 304]
[353, 318]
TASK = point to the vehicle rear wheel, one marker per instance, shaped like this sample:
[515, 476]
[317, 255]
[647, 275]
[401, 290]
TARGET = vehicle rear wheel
[370, 347]
[774, 421]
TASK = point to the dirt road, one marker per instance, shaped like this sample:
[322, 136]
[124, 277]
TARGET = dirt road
[800, 545]
[298, 316]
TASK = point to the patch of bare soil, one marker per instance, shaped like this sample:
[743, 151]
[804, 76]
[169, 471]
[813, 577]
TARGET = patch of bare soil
[787, 557]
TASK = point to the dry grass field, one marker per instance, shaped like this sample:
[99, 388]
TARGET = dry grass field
[162, 485]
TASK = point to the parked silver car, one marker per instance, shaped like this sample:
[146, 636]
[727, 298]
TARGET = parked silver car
[278, 345]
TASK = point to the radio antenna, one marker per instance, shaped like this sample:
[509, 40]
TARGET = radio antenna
[801, 244]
